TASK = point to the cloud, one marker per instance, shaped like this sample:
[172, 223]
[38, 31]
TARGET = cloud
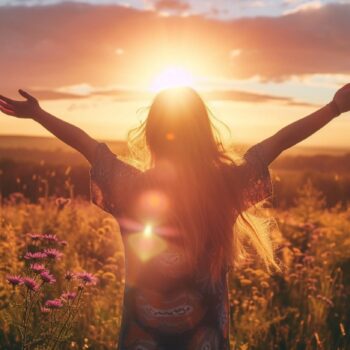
[172, 5]
[123, 94]
[300, 43]
[87, 91]
[251, 97]
[53, 95]
[69, 43]
[253, 3]
[307, 6]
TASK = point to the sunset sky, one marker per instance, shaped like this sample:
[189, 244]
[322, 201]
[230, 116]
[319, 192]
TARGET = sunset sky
[259, 65]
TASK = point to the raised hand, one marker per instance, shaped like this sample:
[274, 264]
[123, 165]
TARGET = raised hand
[342, 98]
[20, 109]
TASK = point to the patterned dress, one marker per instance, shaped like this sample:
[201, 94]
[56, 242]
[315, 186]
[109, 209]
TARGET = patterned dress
[164, 307]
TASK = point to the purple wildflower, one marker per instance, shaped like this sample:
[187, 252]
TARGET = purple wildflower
[35, 236]
[37, 268]
[50, 238]
[45, 310]
[30, 283]
[69, 276]
[69, 295]
[54, 304]
[35, 256]
[87, 278]
[53, 253]
[47, 277]
[14, 280]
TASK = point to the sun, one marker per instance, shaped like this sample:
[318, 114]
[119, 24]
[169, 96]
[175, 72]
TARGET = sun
[172, 77]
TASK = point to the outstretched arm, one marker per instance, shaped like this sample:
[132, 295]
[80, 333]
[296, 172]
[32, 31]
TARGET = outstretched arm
[68, 133]
[303, 128]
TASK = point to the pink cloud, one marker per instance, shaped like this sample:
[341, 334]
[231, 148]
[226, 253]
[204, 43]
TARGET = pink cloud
[67, 44]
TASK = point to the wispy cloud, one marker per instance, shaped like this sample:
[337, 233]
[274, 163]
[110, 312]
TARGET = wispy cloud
[85, 91]
[306, 6]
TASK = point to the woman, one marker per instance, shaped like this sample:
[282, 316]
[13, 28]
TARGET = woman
[176, 218]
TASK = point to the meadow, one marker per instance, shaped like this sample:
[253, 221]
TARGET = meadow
[304, 307]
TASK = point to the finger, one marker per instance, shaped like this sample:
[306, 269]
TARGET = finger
[7, 111]
[26, 95]
[6, 99]
[4, 104]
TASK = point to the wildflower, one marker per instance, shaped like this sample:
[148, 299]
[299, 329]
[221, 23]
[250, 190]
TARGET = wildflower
[63, 243]
[47, 277]
[14, 280]
[69, 295]
[87, 278]
[45, 310]
[35, 236]
[54, 304]
[69, 276]
[30, 283]
[37, 268]
[35, 256]
[50, 238]
[53, 253]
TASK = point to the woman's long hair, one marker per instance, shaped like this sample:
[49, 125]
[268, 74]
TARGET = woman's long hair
[178, 129]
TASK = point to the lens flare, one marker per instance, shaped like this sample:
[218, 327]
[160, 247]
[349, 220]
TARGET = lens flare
[148, 231]
[152, 204]
[146, 245]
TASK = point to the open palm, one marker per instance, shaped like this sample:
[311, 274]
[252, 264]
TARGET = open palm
[20, 109]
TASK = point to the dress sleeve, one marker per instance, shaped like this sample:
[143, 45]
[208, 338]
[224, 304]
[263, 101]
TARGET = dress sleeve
[254, 178]
[109, 180]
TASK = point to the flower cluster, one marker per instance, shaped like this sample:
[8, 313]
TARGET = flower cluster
[54, 304]
[47, 237]
[35, 279]
[35, 256]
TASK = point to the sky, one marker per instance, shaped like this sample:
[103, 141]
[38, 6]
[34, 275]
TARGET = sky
[259, 65]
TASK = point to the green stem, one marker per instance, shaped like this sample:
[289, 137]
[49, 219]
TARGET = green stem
[68, 317]
[24, 338]
[33, 299]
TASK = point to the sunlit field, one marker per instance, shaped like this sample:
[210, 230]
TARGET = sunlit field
[306, 306]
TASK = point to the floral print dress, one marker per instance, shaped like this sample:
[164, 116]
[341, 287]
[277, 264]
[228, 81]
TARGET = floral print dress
[164, 307]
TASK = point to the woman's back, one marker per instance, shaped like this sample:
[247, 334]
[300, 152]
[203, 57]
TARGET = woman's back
[167, 305]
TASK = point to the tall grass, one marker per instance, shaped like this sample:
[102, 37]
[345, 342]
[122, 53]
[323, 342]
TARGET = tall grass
[304, 307]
